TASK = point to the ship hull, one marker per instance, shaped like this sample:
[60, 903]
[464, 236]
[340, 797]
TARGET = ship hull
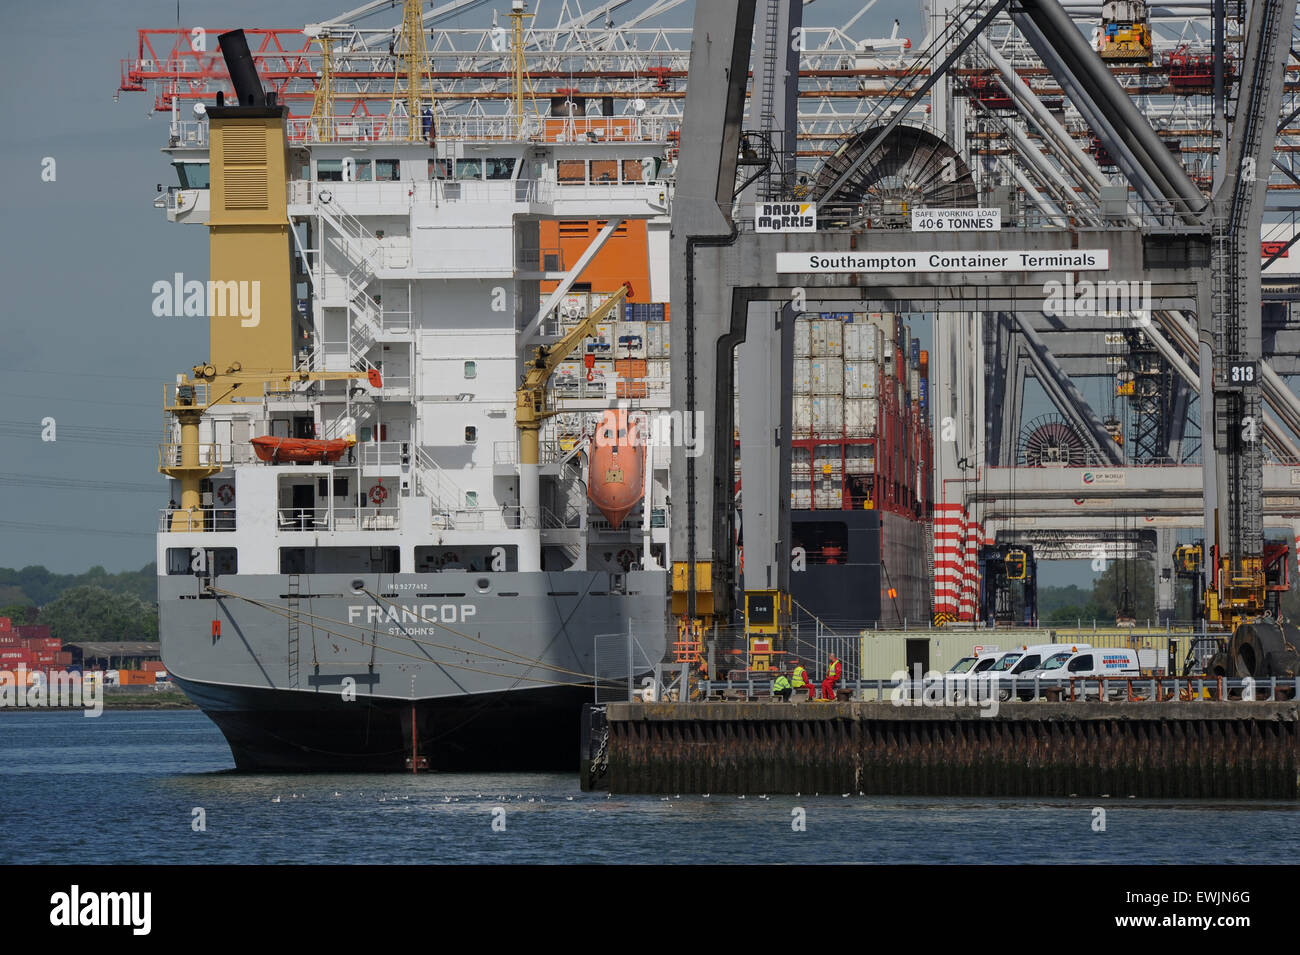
[465, 671]
[279, 731]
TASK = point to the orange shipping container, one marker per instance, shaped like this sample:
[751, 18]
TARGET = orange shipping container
[135, 678]
[631, 389]
[629, 367]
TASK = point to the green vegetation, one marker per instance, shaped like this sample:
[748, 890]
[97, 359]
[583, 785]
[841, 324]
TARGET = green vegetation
[95, 605]
[1065, 605]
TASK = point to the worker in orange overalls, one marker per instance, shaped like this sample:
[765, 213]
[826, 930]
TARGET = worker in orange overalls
[833, 672]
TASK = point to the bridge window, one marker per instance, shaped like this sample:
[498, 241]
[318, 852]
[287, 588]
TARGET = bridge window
[193, 175]
[182, 561]
[604, 170]
[571, 171]
[500, 168]
[469, 169]
[387, 170]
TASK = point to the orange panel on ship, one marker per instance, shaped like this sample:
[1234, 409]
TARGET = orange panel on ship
[624, 258]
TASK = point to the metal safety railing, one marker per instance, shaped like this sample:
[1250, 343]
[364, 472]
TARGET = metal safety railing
[338, 518]
[949, 689]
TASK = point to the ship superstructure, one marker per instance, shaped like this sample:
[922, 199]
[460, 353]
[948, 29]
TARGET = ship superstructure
[388, 583]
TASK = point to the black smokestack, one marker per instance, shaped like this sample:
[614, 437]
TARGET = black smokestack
[243, 74]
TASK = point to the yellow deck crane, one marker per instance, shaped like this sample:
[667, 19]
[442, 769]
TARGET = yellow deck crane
[531, 404]
[190, 400]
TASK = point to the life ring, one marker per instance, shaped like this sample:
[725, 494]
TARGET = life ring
[226, 493]
[378, 494]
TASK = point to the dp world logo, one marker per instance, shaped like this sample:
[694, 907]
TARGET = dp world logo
[1088, 477]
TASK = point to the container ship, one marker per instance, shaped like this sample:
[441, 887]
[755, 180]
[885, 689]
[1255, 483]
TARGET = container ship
[420, 472]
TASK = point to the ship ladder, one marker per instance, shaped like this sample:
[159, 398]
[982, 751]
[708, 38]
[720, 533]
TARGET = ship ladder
[292, 607]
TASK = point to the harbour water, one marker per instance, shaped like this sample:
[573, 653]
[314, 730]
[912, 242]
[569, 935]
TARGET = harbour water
[125, 787]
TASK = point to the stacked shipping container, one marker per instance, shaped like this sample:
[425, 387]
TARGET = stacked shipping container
[858, 400]
[631, 351]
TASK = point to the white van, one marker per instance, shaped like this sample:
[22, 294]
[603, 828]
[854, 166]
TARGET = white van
[1087, 662]
[1017, 664]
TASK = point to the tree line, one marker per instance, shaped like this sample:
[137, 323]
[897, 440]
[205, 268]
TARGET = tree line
[95, 605]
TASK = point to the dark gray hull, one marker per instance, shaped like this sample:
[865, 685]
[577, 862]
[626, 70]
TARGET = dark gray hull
[466, 676]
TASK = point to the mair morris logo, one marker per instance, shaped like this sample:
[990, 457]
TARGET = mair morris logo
[785, 217]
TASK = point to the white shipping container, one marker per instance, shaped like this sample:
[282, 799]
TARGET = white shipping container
[828, 415]
[852, 342]
[870, 343]
[656, 339]
[883, 321]
[860, 379]
[827, 459]
[799, 461]
[658, 372]
[802, 414]
[573, 307]
[828, 496]
[630, 340]
[827, 338]
[914, 385]
[860, 417]
[858, 458]
[801, 494]
[802, 379]
[569, 376]
[827, 376]
[802, 337]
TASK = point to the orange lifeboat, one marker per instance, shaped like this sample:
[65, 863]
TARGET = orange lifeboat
[616, 475]
[300, 450]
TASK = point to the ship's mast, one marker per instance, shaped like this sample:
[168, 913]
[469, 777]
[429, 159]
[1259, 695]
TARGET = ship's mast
[409, 58]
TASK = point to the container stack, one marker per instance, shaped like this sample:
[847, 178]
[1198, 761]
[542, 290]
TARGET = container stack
[631, 351]
[32, 648]
[860, 399]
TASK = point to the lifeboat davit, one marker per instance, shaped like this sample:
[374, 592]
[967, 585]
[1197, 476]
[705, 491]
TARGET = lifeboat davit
[300, 450]
[616, 473]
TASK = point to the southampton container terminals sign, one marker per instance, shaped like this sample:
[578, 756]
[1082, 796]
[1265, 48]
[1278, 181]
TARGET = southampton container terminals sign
[1027, 260]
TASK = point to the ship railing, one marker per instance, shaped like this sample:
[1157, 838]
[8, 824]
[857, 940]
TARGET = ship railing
[383, 453]
[505, 452]
[172, 455]
[432, 482]
[188, 132]
[366, 518]
[500, 128]
[506, 517]
[198, 520]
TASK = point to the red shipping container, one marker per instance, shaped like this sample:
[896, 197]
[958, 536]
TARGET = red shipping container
[33, 631]
[152, 666]
[63, 658]
[10, 639]
[5, 624]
